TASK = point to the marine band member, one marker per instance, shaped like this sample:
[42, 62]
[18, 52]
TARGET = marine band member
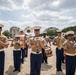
[22, 38]
[48, 41]
[70, 48]
[17, 52]
[58, 41]
[3, 44]
[36, 54]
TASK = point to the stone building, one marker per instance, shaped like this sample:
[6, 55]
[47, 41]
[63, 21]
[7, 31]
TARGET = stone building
[14, 31]
[51, 28]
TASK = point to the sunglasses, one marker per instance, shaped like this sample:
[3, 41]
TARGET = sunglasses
[59, 32]
[70, 35]
[37, 30]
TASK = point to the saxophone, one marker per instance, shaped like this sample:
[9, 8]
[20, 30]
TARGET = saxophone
[23, 41]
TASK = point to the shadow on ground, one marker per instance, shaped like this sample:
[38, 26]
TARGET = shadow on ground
[59, 73]
[45, 67]
[10, 71]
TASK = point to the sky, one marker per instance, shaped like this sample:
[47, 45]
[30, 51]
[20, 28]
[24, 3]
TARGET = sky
[44, 13]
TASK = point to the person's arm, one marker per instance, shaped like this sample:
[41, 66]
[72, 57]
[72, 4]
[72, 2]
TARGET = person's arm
[68, 49]
[42, 45]
[31, 44]
[11, 44]
[54, 42]
[4, 44]
[49, 41]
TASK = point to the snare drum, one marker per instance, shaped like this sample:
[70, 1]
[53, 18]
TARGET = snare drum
[48, 52]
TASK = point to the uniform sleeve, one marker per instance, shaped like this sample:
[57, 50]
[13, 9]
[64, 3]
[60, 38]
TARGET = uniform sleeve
[64, 46]
[6, 40]
[54, 41]
[11, 44]
[49, 40]
[44, 42]
[27, 41]
[20, 42]
[30, 42]
[64, 39]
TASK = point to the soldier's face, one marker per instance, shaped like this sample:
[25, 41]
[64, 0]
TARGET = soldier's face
[21, 32]
[17, 38]
[70, 37]
[0, 29]
[59, 34]
[44, 35]
[37, 32]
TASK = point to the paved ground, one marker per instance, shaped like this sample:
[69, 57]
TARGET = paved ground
[49, 69]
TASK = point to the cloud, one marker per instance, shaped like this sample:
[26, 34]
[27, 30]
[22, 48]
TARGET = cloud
[44, 13]
[18, 2]
[12, 4]
[68, 4]
[52, 5]
[5, 4]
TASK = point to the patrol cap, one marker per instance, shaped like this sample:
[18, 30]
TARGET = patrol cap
[1, 25]
[70, 33]
[36, 27]
[17, 36]
[59, 31]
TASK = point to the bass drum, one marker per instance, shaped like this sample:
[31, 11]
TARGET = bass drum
[48, 52]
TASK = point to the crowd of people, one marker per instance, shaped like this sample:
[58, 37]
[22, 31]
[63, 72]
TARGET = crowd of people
[39, 45]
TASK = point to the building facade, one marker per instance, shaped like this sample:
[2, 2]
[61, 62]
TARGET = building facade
[14, 31]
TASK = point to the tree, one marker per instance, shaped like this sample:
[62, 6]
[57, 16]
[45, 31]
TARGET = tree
[73, 28]
[51, 32]
[6, 33]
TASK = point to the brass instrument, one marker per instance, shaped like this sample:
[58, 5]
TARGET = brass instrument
[22, 38]
[28, 29]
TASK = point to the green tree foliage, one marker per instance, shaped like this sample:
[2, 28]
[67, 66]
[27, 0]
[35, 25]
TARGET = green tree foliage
[73, 28]
[54, 33]
[51, 32]
[6, 33]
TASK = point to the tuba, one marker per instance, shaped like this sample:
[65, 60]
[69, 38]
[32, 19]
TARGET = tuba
[28, 29]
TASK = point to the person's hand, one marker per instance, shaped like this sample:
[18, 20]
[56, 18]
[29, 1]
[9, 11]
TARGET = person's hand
[35, 43]
[17, 43]
[40, 41]
[74, 47]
